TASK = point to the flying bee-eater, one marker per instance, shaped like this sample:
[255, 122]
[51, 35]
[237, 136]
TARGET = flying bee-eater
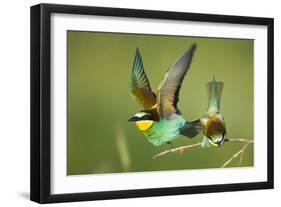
[161, 120]
[213, 122]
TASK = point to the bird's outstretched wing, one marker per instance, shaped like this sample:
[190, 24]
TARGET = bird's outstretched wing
[168, 91]
[140, 87]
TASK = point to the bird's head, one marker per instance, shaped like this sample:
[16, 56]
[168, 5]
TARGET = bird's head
[143, 120]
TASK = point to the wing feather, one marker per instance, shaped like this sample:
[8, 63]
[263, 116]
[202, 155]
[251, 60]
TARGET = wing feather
[168, 91]
[191, 129]
[140, 87]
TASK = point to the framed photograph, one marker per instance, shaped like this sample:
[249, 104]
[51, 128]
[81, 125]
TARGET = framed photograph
[132, 103]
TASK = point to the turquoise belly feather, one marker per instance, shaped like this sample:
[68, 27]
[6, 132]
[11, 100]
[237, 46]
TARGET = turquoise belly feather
[165, 130]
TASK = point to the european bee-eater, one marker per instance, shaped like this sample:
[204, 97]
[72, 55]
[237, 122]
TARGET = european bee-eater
[161, 120]
[213, 123]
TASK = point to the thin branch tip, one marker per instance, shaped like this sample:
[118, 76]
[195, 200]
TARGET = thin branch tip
[184, 148]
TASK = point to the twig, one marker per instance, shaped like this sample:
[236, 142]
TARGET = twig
[180, 149]
[241, 158]
[240, 140]
[184, 148]
[236, 154]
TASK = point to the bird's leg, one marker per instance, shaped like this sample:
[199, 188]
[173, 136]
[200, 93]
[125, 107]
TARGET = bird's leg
[171, 144]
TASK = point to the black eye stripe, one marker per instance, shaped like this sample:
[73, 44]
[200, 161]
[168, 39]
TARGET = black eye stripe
[146, 117]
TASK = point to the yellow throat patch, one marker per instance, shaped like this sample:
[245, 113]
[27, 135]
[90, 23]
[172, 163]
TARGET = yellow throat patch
[144, 124]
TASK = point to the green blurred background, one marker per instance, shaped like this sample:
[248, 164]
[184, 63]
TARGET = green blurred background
[99, 137]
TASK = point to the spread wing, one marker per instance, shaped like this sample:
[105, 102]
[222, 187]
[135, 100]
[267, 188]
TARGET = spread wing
[168, 91]
[140, 87]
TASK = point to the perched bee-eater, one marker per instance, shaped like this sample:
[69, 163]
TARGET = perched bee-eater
[160, 120]
[213, 123]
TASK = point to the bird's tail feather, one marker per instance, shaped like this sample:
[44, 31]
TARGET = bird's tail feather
[214, 90]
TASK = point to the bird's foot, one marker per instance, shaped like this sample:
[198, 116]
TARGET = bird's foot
[170, 144]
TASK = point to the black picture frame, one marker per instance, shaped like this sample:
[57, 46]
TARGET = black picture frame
[41, 98]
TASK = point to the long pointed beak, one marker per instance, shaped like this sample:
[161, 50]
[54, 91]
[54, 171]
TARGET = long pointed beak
[134, 118]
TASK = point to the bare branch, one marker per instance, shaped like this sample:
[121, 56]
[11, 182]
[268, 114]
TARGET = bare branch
[184, 148]
[180, 149]
[241, 158]
[240, 140]
[237, 154]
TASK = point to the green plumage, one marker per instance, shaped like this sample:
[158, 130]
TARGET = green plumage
[139, 79]
[165, 130]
